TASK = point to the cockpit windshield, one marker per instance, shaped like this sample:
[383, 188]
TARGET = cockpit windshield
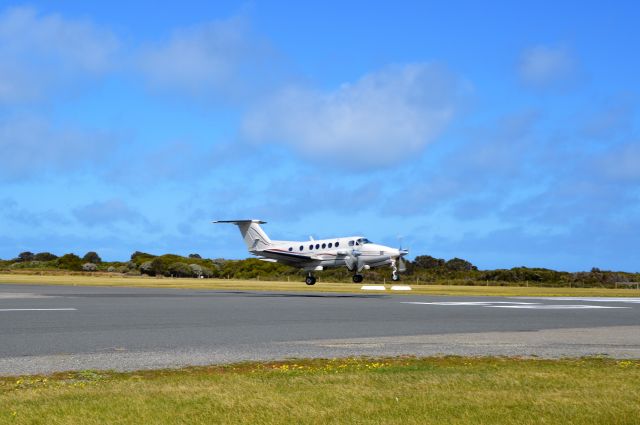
[363, 241]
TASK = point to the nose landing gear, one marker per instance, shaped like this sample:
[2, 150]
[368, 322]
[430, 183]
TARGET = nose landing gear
[394, 271]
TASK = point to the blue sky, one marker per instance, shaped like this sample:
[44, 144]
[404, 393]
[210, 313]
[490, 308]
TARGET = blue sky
[506, 134]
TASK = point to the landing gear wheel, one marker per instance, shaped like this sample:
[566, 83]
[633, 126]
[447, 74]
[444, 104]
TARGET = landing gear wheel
[310, 280]
[395, 277]
[357, 278]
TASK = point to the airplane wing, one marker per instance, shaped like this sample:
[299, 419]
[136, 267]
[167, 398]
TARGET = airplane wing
[288, 258]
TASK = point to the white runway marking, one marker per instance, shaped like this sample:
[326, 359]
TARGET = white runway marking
[514, 304]
[589, 300]
[38, 309]
[373, 288]
[471, 303]
[401, 288]
[21, 295]
[554, 306]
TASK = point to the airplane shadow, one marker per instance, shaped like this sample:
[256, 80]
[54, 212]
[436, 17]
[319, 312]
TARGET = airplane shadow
[215, 294]
[300, 295]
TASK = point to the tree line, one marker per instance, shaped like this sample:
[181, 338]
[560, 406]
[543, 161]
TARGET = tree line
[424, 269]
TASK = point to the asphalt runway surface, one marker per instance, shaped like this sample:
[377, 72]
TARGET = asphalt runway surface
[55, 328]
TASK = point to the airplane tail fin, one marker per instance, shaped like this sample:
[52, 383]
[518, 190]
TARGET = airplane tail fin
[252, 233]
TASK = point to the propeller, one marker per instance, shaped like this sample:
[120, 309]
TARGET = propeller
[402, 266]
[353, 261]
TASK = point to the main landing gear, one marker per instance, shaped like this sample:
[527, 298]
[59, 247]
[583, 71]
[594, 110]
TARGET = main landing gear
[357, 278]
[394, 271]
[310, 280]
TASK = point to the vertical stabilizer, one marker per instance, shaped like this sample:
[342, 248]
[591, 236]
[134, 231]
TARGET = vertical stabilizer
[253, 235]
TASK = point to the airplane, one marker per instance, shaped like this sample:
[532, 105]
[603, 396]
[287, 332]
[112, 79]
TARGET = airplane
[357, 253]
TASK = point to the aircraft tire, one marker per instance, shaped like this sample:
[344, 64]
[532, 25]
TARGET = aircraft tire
[310, 280]
[357, 278]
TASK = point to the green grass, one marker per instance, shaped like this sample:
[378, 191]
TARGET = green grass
[255, 285]
[448, 390]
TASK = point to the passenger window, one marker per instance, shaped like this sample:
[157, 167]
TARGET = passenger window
[310, 246]
[324, 245]
[301, 247]
[317, 246]
[337, 244]
[350, 243]
[290, 248]
[330, 244]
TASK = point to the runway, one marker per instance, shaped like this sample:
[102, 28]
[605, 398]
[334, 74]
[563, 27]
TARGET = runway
[55, 328]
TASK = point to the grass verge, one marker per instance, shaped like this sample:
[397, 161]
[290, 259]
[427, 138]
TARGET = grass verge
[443, 390]
[255, 285]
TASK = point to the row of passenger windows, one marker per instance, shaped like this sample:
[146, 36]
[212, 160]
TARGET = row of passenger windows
[331, 244]
[317, 246]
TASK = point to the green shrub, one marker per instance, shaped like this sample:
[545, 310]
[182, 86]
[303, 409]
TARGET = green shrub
[45, 256]
[23, 257]
[92, 257]
[179, 269]
[69, 262]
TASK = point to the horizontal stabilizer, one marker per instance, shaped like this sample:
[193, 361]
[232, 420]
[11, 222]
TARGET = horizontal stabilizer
[240, 221]
[254, 237]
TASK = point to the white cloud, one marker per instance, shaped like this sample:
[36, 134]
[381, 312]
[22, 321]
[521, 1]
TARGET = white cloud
[219, 57]
[545, 66]
[20, 216]
[107, 212]
[32, 146]
[491, 163]
[41, 51]
[176, 160]
[18, 84]
[384, 117]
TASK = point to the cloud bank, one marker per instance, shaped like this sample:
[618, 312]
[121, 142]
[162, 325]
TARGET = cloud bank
[111, 211]
[208, 60]
[384, 117]
[32, 146]
[42, 52]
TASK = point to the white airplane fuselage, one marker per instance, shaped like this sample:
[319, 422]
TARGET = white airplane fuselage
[356, 253]
[331, 252]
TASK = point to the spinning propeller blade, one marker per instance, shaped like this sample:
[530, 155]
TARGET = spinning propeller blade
[402, 267]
